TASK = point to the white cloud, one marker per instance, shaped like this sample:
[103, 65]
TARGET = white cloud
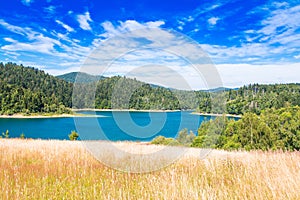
[297, 56]
[38, 42]
[180, 28]
[15, 29]
[50, 10]
[129, 25]
[10, 40]
[68, 28]
[280, 4]
[213, 21]
[27, 2]
[281, 23]
[34, 42]
[65, 70]
[279, 37]
[84, 20]
[236, 75]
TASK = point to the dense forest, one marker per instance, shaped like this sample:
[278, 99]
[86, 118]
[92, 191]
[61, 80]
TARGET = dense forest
[27, 90]
[272, 129]
[126, 93]
[253, 98]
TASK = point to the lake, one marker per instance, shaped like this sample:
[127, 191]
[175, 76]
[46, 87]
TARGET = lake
[107, 125]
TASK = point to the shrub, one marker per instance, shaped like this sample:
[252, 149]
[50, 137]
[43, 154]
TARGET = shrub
[73, 136]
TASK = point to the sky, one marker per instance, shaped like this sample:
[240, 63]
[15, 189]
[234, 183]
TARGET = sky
[247, 41]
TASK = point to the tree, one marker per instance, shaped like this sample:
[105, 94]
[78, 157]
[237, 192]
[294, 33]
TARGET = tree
[184, 138]
[73, 136]
[22, 136]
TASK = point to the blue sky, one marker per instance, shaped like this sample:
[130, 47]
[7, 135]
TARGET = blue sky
[248, 41]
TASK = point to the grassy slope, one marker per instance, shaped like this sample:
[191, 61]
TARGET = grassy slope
[33, 169]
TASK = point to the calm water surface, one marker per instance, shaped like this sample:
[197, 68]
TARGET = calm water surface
[112, 125]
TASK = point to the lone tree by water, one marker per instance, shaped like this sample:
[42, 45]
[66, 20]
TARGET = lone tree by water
[73, 136]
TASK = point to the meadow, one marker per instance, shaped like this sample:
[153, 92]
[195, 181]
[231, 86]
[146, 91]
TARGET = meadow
[52, 169]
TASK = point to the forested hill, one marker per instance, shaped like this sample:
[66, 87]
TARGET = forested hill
[79, 77]
[29, 90]
[255, 98]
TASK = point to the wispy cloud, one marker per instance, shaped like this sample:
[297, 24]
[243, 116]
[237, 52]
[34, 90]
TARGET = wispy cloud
[67, 27]
[128, 25]
[84, 20]
[50, 10]
[55, 51]
[27, 2]
[213, 21]
[38, 42]
[276, 39]
[236, 75]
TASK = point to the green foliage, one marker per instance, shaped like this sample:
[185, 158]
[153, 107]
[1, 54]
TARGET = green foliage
[124, 93]
[6, 134]
[255, 98]
[209, 133]
[272, 129]
[161, 140]
[22, 136]
[73, 136]
[28, 90]
[183, 139]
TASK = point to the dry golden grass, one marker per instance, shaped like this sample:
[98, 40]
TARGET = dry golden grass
[33, 169]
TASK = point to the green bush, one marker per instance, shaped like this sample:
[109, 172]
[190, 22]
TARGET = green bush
[161, 140]
[73, 136]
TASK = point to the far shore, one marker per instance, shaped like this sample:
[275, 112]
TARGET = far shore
[216, 115]
[46, 115]
[122, 110]
[40, 116]
[32, 116]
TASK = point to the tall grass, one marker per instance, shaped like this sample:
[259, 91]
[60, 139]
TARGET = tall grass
[34, 169]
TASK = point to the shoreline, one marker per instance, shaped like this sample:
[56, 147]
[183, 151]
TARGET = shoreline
[21, 116]
[41, 116]
[121, 110]
[216, 115]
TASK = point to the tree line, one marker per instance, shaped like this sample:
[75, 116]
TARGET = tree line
[272, 129]
[29, 90]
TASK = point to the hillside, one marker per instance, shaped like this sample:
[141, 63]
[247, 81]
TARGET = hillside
[28, 90]
[80, 77]
[253, 98]
[124, 93]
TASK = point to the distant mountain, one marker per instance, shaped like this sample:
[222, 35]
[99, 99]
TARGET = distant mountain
[219, 89]
[80, 77]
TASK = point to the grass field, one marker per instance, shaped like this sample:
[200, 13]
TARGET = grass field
[37, 169]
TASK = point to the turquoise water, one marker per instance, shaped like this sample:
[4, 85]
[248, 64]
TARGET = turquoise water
[115, 126]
